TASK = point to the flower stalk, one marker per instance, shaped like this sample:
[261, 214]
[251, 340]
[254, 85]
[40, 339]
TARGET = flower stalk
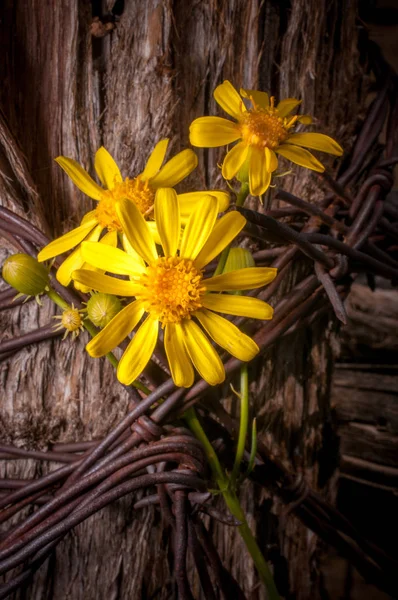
[243, 423]
[232, 501]
[243, 193]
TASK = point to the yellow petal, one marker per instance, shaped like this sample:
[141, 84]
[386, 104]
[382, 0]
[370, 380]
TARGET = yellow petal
[316, 141]
[117, 329]
[136, 230]
[176, 169]
[75, 260]
[106, 168]
[88, 217]
[153, 228]
[110, 259]
[225, 230]
[205, 359]
[199, 227]
[259, 177]
[67, 241]
[105, 283]
[287, 105]
[130, 250]
[188, 202]
[80, 177]
[234, 160]
[211, 132]
[155, 160]
[179, 362]
[271, 161]
[227, 335]
[300, 157]
[138, 352]
[243, 279]
[241, 306]
[110, 239]
[72, 263]
[229, 100]
[167, 218]
[260, 98]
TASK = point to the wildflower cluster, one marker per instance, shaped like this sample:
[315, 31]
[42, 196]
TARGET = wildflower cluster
[159, 266]
[144, 253]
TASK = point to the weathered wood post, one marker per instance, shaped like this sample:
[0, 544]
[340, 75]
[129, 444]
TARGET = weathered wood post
[70, 85]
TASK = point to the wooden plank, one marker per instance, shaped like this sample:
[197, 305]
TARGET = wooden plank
[369, 443]
[373, 321]
[363, 380]
[369, 472]
[366, 406]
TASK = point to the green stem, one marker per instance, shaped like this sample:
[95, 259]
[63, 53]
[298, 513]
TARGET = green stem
[90, 327]
[212, 458]
[221, 261]
[243, 423]
[242, 194]
[233, 504]
[261, 564]
[253, 449]
[56, 298]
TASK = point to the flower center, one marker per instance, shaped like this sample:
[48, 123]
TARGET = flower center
[171, 289]
[263, 128]
[136, 190]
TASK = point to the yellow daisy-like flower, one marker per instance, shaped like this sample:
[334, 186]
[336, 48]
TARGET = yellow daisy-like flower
[140, 190]
[171, 291]
[264, 131]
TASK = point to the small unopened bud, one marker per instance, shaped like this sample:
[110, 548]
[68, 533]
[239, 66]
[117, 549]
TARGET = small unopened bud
[238, 258]
[101, 308]
[25, 274]
[71, 320]
[305, 119]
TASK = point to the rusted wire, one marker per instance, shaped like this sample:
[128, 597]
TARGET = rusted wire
[181, 545]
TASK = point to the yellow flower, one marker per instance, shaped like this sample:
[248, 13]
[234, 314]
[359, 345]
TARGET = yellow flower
[170, 289]
[141, 190]
[264, 131]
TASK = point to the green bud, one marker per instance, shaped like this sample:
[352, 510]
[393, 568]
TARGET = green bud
[71, 320]
[238, 258]
[25, 274]
[101, 308]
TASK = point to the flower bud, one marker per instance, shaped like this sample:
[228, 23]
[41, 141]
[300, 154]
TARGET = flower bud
[238, 258]
[25, 274]
[101, 308]
[71, 320]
